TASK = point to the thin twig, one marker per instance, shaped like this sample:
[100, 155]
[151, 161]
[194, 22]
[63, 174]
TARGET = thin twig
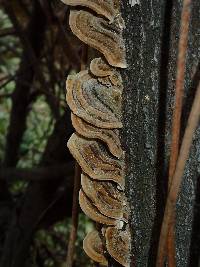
[77, 185]
[75, 211]
[179, 91]
[192, 124]
[176, 123]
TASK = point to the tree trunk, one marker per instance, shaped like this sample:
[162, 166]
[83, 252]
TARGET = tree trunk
[151, 35]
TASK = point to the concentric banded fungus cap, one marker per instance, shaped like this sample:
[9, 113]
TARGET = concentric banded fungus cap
[110, 137]
[118, 245]
[107, 8]
[95, 160]
[94, 248]
[99, 34]
[101, 69]
[105, 197]
[94, 102]
[92, 212]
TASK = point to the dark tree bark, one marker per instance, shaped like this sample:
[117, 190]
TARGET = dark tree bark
[151, 35]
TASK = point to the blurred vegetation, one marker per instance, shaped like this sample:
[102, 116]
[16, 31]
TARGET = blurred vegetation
[36, 55]
[49, 244]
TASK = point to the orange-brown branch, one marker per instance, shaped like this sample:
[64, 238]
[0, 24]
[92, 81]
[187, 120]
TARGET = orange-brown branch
[178, 174]
[77, 186]
[75, 212]
[176, 123]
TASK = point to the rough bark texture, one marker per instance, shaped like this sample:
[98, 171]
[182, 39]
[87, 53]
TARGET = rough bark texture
[151, 34]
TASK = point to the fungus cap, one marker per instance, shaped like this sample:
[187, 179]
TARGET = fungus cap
[105, 197]
[118, 244]
[93, 247]
[99, 34]
[107, 8]
[94, 102]
[100, 68]
[96, 161]
[91, 211]
[109, 136]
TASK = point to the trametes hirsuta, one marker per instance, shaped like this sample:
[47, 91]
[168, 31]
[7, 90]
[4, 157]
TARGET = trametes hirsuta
[94, 96]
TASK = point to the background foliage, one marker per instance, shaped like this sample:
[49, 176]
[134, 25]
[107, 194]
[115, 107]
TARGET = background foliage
[36, 170]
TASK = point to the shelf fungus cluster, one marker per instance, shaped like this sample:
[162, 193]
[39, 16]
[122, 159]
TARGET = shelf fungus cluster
[95, 99]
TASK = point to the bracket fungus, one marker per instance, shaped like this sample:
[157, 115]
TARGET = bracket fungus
[101, 69]
[93, 102]
[95, 99]
[105, 81]
[95, 160]
[108, 136]
[92, 212]
[118, 244]
[105, 197]
[107, 8]
[94, 248]
[99, 34]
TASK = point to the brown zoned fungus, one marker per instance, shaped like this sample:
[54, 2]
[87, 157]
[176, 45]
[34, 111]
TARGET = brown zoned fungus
[99, 34]
[118, 244]
[95, 99]
[95, 160]
[102, 70]
[107, 8]
[94, 102]
[93, 247]
[105, 197]
[92, 212]
[110, 137]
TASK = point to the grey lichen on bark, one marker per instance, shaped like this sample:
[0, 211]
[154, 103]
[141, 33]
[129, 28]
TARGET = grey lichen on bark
[141, 94]
[151, 36]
